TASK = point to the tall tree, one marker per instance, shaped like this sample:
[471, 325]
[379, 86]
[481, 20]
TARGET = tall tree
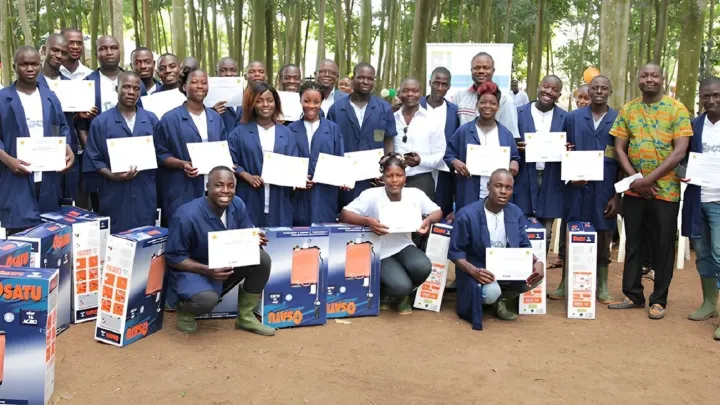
[460, 21]
[147, 24]
[661, 28]
[94, 28]
[419, 40]
[364, 51]
[583, 46]
[257, 49]
[226, 11]
[5, 41]
[239, 45]
[340, 38]
[321, 31]
[24, 22]
[269, 24]
[614, 24]
[506, 34]
[216, 43]
[193, 30]
[381, 54]
[136, 23]
[178, 28]
[537, 48]
[392, 38]
[349, 6]
[691, 37]
[117, 23]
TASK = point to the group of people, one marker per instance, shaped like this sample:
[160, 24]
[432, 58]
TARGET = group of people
[424, 140]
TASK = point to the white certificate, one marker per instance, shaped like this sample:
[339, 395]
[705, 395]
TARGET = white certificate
[291, 107]
[136, 151]
[703, 170]
[512, 264]
[484, 160]
[206, 156]
[74, 95]
[162, 102]
[227, 89]
[366, 163]
[588, 165]
[233, 248]
[400, 216]
[334, 170]
[43, 154]
[545, 146]
[286, 171]
[624, 184]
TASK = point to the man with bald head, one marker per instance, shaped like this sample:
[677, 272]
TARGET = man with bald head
[191, 63]
[143, 63]
[327, 74]
[255, 73]
[227, 67]
[72, 67]
[56, 53]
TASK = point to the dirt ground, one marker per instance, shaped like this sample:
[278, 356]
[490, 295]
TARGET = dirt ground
[429, 358]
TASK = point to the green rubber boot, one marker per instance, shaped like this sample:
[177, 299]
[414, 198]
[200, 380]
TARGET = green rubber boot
[246, 319]
[404, 307]
[708, 309]
[384, 302]
[559, 293]
[502, 312]
[603, 295]
[717, 334]
[185, 321]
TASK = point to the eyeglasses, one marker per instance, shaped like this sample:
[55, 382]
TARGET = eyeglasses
[404, 139]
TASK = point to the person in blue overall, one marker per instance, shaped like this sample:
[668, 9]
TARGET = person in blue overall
[168, 70]
[588, 129]
[538, 188]
[701, 205]
[260, 131]
[28, 110]
[227, 67]
[191, 122]
[129, 197]
[483, 130]
[197, 288]
[315, 135]
[493, 222]
[366, 122]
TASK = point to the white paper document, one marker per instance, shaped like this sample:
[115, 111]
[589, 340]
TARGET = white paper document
[510, 264]
[43, 154]
[334, 170]
[703, 170]
[588, 165]
[162, 102]
[286, 171]
[74, 95]
[365, 164]
[400, 216]
[291, 107]
[234, 248]
[206, 156]
[484, 160]
[545, 146]
[227, 89]
[136, 151]
[624, 184]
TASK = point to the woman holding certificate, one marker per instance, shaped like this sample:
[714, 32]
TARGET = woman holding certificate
[260, 131]
[472, 169]
[191, 122]
[314, 136]
[403, 267]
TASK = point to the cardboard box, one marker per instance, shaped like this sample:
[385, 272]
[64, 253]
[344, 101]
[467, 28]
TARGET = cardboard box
[51, 246]
[89, 240]
[429, 294]
[534, 302]
[28, 301]
[15, 253]
[353, 287]
[130, 304]
[581, 259]
[296, 293]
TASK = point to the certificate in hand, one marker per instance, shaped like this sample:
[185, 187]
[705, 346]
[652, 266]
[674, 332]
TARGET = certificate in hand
[511, 264]
[545, 146]
[484, 160]
[400, 216]
[160, 103]
[333, 170]
[588, 165]
[366, 163]
[291, 107]
[285, 171]
[227, 89]
[234, 248]
[624, 184]
[136, 151]
[74, 95]
[206, 156]
[703, 170]
[43, 154]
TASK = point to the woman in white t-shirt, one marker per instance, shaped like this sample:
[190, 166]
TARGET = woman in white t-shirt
[403, 266]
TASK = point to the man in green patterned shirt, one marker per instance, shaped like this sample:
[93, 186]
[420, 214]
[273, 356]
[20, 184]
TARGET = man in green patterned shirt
[652, 134]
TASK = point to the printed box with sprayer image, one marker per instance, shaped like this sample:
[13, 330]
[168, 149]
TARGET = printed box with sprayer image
[581, 258]
[132, 283]
[534, 302]
[429, 294]
[28, 328]
[296, 293]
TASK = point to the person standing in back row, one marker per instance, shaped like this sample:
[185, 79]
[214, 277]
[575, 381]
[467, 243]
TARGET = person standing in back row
[73, 68]
[327, 75]
[227, 67]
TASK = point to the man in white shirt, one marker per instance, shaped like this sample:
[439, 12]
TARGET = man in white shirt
[73, 68]
[520, 98]
[327, 75]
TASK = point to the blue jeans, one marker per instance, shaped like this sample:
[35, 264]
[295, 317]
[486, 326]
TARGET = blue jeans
[505, 289]
[707, 248]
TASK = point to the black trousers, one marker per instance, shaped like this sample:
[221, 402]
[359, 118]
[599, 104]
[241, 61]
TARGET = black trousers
[655, 220]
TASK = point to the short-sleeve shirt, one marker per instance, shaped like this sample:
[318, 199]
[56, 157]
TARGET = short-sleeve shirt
[650, 130]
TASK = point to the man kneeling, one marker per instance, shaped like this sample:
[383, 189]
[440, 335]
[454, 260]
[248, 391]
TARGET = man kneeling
[493, 222]
[197, 287]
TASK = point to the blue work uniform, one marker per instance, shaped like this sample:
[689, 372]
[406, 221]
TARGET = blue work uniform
[545, 201]
[231, 118]
[588, 203]
[445, 189]
[319, 204]
[188, 239]
[470, 237]
[172, 134]
[467, 189]
[377, 124]
[247, 155]
[692, 223]
[20, 203]
[129, 204]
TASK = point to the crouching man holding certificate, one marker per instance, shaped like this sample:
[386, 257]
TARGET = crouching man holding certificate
[196, 286]
[487, 224]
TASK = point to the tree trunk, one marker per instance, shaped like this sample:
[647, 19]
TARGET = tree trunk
[24, 23]
[298, 34]
[257, 48]
[291, 18]
[529, 58]
[37, 21]
[321, 32]
[94, 25]
[239, 45]
[534, 75]
[383, 14]
[460, 22]
[178, 29]
[614, 25]
[485, 18]
[117, 24]
[194, 49]
[707, 64]
[691, 37]
[49, 14]
[340, 39]
[661, 30]
[392, 36]
[438, 22]
[364, 51]
[644, 35]
[161, 23]
[583, 46]
[200, 36]
[136, 22]
[216, 43]
[5, 41]
[506, 34]
[349, 5]
[307, 34]
[269, 33]
[548, 50]
[147, 24]
[419, 41]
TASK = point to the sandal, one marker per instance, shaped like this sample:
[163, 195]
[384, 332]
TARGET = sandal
[557, 264]
[626, 303]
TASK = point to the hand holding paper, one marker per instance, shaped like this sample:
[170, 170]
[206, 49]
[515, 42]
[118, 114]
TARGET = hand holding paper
[286, 171]
[703, 170]
[137, 152]
[545, 146]
[365, 164]
[587, 165]
[43, 154]
[624, 184]
[234, 248]
[74, 95]
[484, 160]
[334, 170]
[512, 264]
[206, 156]
[400, 216]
